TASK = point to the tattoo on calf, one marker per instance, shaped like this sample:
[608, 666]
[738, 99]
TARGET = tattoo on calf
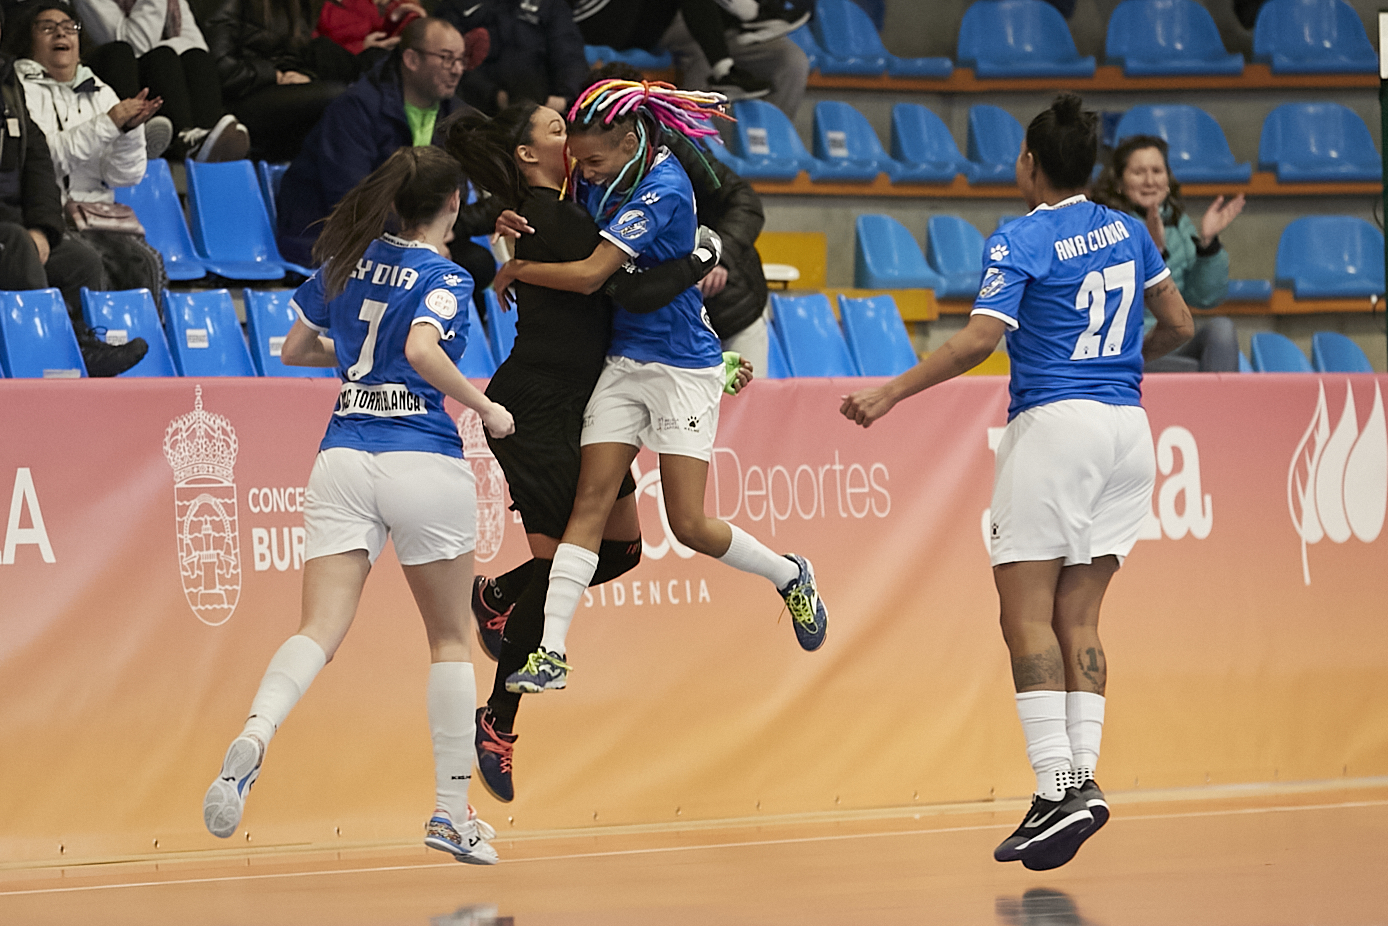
[1093, 667]
[1044, 670]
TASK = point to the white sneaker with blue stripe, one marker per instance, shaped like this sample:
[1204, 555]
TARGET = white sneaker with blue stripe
[226, 798]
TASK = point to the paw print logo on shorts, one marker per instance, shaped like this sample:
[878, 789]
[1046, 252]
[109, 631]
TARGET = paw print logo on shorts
[997, 252]
[693, 424]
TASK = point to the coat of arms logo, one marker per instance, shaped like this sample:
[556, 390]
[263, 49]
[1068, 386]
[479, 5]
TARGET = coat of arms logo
[491, 487]
[201, 448]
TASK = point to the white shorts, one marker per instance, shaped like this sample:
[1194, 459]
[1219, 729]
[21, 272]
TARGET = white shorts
[668, 409]
[1073, 480]
[426, 502]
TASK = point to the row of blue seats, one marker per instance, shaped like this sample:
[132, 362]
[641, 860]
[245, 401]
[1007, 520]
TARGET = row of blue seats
[1318, 257]
[1300, 142]
[199, 335]
[1331, 352]
[1029, 38]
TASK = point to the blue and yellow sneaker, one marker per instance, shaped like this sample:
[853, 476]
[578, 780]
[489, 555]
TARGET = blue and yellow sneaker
[543, 671]
[225, 800]
[808, 614]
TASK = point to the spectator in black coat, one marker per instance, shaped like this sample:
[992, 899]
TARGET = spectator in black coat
[536, 52]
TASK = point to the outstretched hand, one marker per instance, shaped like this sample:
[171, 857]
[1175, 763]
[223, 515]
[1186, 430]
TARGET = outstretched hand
[1218, 217]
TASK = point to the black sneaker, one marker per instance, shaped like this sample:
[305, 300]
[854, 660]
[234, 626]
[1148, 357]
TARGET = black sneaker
[1050, 830]
[1094, 800]
[490, 611]
[494, 750]
[738, 84]
[104, 359]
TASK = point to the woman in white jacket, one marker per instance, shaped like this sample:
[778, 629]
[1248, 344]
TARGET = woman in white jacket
[157, 44]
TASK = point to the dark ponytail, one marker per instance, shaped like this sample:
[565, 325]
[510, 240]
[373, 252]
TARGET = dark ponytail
[411, 187]
[486, 149]
[1064, 141]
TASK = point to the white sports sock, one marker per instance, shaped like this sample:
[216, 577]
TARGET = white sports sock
[452, 703]
[569, 575]
[291, 670]
[749, 554]
[1084, 723]
[1048, 747]
[720, 68]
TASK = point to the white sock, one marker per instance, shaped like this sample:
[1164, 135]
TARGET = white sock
[1048, 747]
[291, 670]
[452, 703]
[720, 69]
[569, 575]
[1084, 723]
[749, 554]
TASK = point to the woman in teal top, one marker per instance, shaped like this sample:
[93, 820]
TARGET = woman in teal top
[1138, 180]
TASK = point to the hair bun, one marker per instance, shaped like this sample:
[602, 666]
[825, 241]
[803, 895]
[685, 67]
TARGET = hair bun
[1068, 109]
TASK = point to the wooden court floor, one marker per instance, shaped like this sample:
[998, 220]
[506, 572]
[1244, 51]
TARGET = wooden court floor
[1293, 856]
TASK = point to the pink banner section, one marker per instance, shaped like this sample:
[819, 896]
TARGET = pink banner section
[153, 548]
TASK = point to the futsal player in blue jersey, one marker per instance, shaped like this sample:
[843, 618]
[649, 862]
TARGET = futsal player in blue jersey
[1074, 473]
[391, 314]
[664, 373]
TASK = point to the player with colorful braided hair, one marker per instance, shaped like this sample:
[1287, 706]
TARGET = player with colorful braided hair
[664, 372]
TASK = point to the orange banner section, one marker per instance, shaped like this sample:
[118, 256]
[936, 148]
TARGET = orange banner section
[153, 547]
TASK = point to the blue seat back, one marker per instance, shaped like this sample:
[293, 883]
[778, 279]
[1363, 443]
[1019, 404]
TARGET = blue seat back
[1317, 137]
[1331, 255]
[844, 30]
[763, 131]
[876, 335]
[270, 176]
[1276, 353]
[1162, 29]
[477, 361]
[126, 315]
[36, 337]
[205, 335]
[776, 365]
[843, 133]
[995, 136]
[886, 256]
[227, 213]
[921, 137]
[156, 203]
[804, 37]
[1013, 31]
[269, 316]
[1194, 137]
[810, 334]
[1312, 36]
[953, 246]
[1332, 352]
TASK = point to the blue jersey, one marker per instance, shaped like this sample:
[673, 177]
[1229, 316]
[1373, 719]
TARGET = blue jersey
[1068, 280]
[656, 225]
[384, 404]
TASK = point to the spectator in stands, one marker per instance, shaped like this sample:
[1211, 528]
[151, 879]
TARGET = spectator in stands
[35, 252]
[403, 101]
[369, 29]
[1138, 180]
[96, 139]
[276, 78]
[755, 34]
[535, 52]
[157, 44]
[628, 24]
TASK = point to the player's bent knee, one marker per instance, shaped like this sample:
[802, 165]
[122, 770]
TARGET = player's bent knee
[616, 557]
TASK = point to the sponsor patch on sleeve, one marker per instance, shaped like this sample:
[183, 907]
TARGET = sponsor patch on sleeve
[442, 303]
[993, 282]
[631, 225]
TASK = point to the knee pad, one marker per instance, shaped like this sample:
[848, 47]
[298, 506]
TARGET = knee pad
[616, 557]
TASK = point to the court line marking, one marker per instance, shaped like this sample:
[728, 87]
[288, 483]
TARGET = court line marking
[1247, 811]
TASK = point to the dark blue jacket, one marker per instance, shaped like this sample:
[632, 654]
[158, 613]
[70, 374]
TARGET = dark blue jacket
[358, 131]
[536, 50]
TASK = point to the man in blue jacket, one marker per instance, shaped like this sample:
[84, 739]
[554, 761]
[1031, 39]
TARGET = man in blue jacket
[536, 52]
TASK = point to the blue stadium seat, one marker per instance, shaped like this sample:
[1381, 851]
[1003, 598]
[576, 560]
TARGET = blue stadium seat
[1332, 352]
[270, 176]
[954, 250]
[1276, 353]
[477, 361]
[1318, 141]
[804, 37]
[127, 315]
[1330, 257]
[1249, 291]
[923, 147]
[1199, 151]
[230, 224]
[1167, 37]
[767, 142]
[501, 328]
[887, 257]
[846, 146]
[995, 140]
[269, 316]
[204, 334]
[639, 58]
[720, 151]
[1313, 37]
[36, 337]
[1244, 365]
[155, 201]
[811, 337]
[876, 335]
[1019, 38]
[851, 45]
[776, 365]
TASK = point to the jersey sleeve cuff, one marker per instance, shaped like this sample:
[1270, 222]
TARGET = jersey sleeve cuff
[303, 318]
[619, 243]
[444, 335]
[1007, 320]
[1165, 272]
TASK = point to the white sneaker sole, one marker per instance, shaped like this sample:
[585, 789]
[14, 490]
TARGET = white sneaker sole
[481, 854]
[223, 805]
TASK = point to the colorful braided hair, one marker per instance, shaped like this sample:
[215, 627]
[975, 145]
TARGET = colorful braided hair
[652, 105]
